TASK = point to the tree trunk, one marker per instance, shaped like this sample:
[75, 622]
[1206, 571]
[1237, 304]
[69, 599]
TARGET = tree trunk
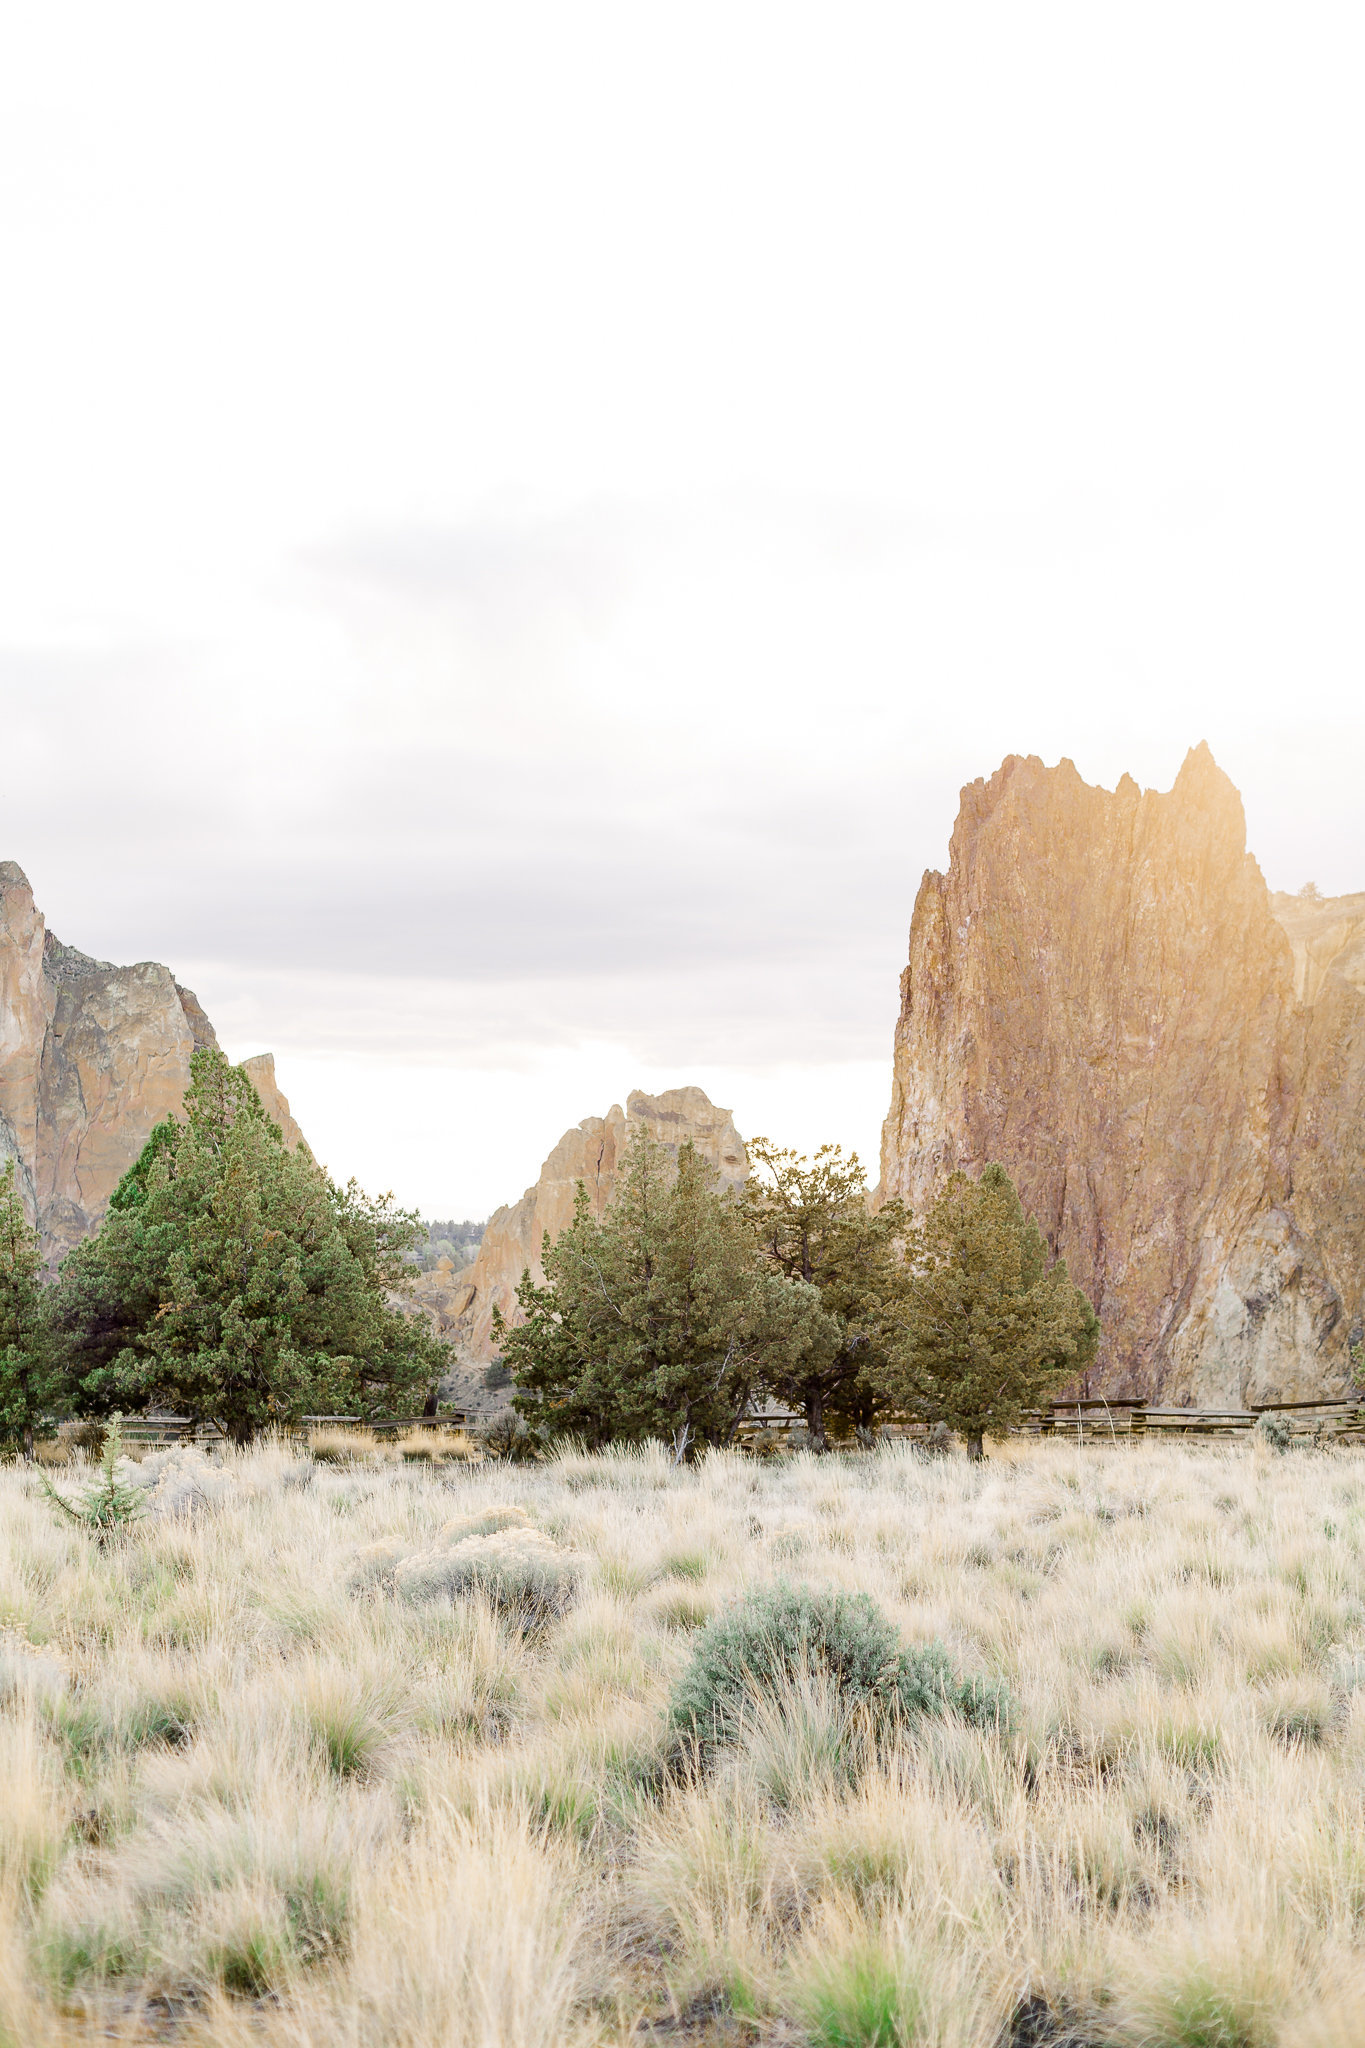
[430, 1405]
[975, 1446]
[26, 1440]
[815, 1423]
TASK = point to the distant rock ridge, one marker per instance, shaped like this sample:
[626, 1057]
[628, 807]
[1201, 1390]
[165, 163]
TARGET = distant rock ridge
[91, 1057]
[1103, 996]
[461, 1304]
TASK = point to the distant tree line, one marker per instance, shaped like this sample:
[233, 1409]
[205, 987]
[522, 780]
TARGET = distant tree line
[234, 1282]
[676, 1313]
[458, 1242]
[231, 1281]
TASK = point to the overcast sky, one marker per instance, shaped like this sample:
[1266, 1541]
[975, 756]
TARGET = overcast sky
[517, 521]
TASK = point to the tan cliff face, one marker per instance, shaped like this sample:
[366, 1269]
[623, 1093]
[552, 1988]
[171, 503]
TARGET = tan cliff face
[91, 1057]
[1326, 936]
[1100, 996]
[260, 1071]
[461, 1304]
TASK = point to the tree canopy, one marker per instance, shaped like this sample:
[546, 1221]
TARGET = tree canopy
[811, 1222]
[32, 1379]
[991, 1324]
[234, 1281]
[657, 1320]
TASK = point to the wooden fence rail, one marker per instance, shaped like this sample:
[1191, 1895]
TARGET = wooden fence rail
[161, 1431]
[1103, 1422]
[1099, 1421]
[1085, 1422]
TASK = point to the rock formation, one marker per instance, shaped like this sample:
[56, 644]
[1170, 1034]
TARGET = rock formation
[1327, 936]
[91, 1056]
[461, 1304]
[1100, 997]
[260, 1071]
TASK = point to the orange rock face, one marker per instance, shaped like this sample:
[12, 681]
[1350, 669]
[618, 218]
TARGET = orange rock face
[91, 1057]
[1327, 936]
[1100, 997]
[260, 1071]
[461, 1304]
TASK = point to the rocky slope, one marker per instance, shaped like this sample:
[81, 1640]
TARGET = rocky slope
[461, 1304]
[1326, 936]
[1100, 996]
[91, 1056]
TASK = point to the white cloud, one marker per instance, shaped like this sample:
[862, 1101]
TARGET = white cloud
[518, 521]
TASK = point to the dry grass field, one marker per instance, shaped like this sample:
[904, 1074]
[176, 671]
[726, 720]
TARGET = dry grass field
[275, 1773]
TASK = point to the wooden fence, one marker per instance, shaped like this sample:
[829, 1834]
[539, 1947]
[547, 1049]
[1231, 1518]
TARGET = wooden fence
[1107, 1421]
[1084, 1422]
[157, 1430]
[1102, 1422]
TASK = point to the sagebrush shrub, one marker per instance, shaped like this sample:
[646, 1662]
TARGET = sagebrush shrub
[375, 1568]
[520, 1572]
[372, 1568]
[176, 1483]
[778, 1635]
[484, 1522]
[1274, 1432]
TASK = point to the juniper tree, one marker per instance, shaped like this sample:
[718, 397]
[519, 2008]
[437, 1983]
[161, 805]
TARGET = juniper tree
[32, 1379]
[656, 1320]
[811, 1222]
[234, 1280]
[990, 1322]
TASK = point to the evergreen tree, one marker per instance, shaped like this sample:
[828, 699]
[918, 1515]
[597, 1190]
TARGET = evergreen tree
[812, 1222]
[656, 1321]
[990, 1324]
[32, 1382]
[233, 1280]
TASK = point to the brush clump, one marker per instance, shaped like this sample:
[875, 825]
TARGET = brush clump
[176, 1484]
[519, 1571]
[777, 1635]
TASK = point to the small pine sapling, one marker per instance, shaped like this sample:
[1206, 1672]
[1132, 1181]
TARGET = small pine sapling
[111, 1504]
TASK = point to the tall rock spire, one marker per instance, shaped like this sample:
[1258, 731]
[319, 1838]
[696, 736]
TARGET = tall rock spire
[91, 1056]
[1100, 997]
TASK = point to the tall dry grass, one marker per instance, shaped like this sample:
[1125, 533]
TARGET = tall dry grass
[255, 1793]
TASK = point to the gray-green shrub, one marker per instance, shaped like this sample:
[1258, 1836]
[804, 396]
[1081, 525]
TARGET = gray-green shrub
[780, 1634]
[520, 1572]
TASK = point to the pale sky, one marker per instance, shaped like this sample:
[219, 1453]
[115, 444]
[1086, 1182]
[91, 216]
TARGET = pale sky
[517, 521]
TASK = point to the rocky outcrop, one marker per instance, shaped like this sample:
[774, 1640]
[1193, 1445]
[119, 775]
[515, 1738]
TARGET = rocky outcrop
[260, 1071]
[1327, 936]
[1100, 996]
[91, 1057]
[461, 1304]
